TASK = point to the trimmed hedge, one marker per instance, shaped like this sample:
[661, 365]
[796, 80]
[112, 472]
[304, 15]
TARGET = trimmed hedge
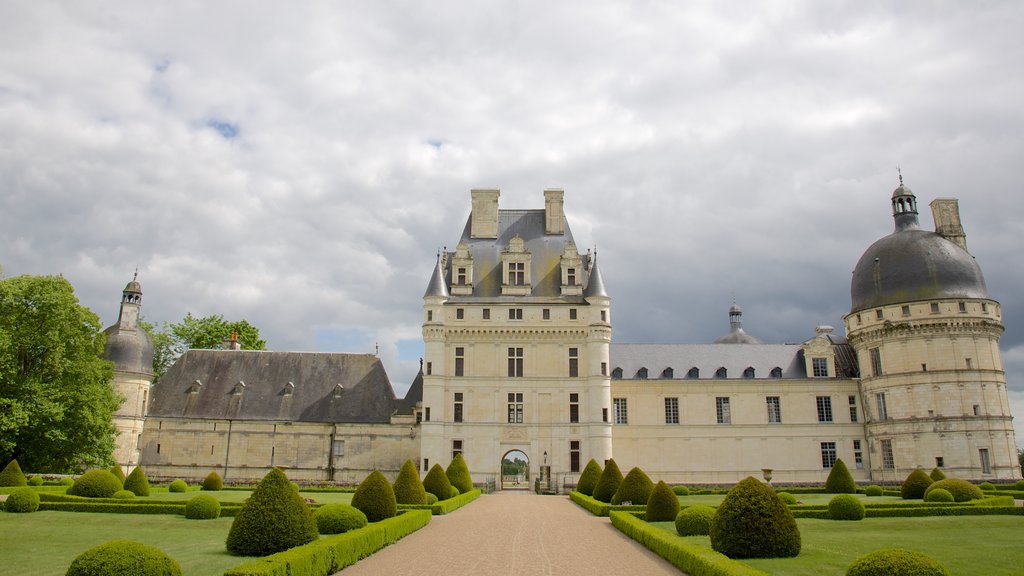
[839, 480]
[123, 557]
[663, 505]
[273, 519]
[458, 474]
[442, 507]
[635, 488]
[213, 482]
[12, 475]
[588, 479]
[453, 492]
[987, 486]
[786, 498]
[431, 499]
[36, 480]
[408, 486]
[598, 508]
[681, 490]
[137, 482]
[937, 474]
[177, 486]
[436, 482]
[961, 490]
[752, 522]
[338, 518]
[873, 490]
[915, 484]
[123, 495]
[202, 507]
[694, 520]
[608, 483]
[889, 561]
[375, 497]
[845, 507]
[940, 495]
[95, 484]
[22, 500]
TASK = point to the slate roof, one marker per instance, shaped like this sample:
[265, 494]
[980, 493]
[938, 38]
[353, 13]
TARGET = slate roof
[708, 358]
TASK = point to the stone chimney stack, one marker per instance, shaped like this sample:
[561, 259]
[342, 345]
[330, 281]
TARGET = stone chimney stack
[484, 219]
[232, 343]
[946, 212]
[554, 212]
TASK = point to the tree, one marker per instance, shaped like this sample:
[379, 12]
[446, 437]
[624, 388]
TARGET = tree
[173, 339]
[56, 401]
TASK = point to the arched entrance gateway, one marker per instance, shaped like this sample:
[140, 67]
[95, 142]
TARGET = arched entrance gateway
[515, 471]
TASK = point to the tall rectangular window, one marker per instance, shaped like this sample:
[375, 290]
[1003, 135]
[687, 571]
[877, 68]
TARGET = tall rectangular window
[828, 454]
[460, 361]
[774, 409]
[339, 448]
[515, 313]
[722, 414]
[545, 314]
[876, 361]
[457, 412]
[460, 313]
[426, 464]
[572, 313]
[604, 414]
[820, 367]
[456, 447]
[574, 456]
[462, 277]
[515, 407]
[574, 362]
[604, 368]
[487, 313]
[853, 408]
[858, 455]
[515, 362]
[574, 408]
[824, 408]
[883, 413]
[516, 273]
[570, 275]
[621, 410]
[426, 413]
[887, 460]
[430, 368]
[986, 466]
[671, 410]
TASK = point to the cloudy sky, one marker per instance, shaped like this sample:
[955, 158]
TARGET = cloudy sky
[299, 164]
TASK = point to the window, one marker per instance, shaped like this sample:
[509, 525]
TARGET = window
[819, 366]
[776, 372]
[962, 306]
[456, 448]
[574, 362]
[748, 372]
[604, 315]
[905, 310]
[339, 448]
[641, 374]
[828, 454]
[887, 460]
[460, 313]
[693, 373]
[515, 362]
[853, 408]
[722, 414]
[883, 413]
[572, 313]
[487, 313]
[977, 409]
[671, 410]
[984, 307]
[604, 368]
[621, 410]
[617, 374]
[774, 409]
[876, 361]
[430, 315]
[824, 408]
[721, 373]
[426, 414]
[570, 275]
[604, 414]
[668, 373]
[878, 314]
[546, 314]
[935, 307]
[858, 455]
[939, 462]
[515, 313]
[574, 408]
[461, 277]
[574, 456]
[426, 464]
[457, 412]
[460, 361]
[515, 407]
[968, 363]
[516, 273]
[430, 368]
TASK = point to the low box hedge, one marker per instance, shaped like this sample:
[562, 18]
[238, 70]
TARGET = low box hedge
[442, 507]
[598, 508]
[111, 506]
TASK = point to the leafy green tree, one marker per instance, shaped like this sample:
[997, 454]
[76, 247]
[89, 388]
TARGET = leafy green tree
[56, 401]
[173, 339]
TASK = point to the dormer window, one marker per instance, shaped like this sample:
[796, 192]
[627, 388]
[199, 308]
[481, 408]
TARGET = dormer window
[776, 372]
[570, 277]
[462, 271]
[289, 389]
[642, 374]
[338, 390]
[748, 372]
[516, 274]
[693, 373]
[238, 389]
[617, 374]
[721, 373]
[195, 387]
[515, 262]
[668, 373]
[571, 264]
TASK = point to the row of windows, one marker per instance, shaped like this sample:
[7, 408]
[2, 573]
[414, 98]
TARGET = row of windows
[515, 314]
[933, 308]
[516, 358]
[459, 447]
[723, 413]
[694, 373]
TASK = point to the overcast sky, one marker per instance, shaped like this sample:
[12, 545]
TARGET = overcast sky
[298, 165]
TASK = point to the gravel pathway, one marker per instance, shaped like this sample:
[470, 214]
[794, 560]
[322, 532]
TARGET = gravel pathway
[515, 534]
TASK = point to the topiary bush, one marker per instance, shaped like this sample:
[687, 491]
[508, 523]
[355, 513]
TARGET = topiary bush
[35, 481]
[896, 561]
[375, 497]
[339, 518]
[137, 482]
[202, 507]
[987, 486]
[937, 474]
[939, 495]
[681, 490]
[458, 474]
[608, 483]
[839, 480]
[408, 487]
[845, 507]
[453, 492]
[752, 522]
[787, 498]
[117, 471]
[213, 482]
[695, 520]
[273, 519]
[915, 484]
[67, 481]
[1019, 485]
[22, 500]
[431, 499]
[873, 490]
[635, 488]
[123, 557]
[12, 475]
[436, 482]
[663, 504]
[178, 486]
[124, 495]
[961, 490]
[588, 479]
[95, 484]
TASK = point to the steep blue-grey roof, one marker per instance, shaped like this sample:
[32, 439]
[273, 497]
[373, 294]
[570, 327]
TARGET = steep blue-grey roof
[708, 358]
[595, 286]
[437, 286]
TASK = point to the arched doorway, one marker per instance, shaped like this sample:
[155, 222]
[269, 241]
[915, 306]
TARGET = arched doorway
[515, 470]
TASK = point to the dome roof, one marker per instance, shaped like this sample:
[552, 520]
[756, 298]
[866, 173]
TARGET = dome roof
[736, 333]
[129, 350]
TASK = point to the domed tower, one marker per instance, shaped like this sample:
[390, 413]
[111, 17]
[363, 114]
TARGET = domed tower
[926, 334]
[131, 350]
[736, 333]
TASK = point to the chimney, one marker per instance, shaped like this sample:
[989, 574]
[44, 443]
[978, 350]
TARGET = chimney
[554, 214]
[946, 212]
[484, 219]
[232, 343]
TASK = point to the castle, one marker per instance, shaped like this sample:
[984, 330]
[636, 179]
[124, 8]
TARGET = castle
[518, 357]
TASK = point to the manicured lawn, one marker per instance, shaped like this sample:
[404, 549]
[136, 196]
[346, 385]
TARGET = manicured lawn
[241, 495]
[716, 499]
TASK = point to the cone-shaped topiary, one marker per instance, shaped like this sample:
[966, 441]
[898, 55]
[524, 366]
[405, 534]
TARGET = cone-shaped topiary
[96, 484]
[458, 474]
[213, 482]
[123, 557]
[839, 480]
[588, 479]
[962, 490]
[273, 519]
[137, 482]
[202, 507]
[23, 499]
[937, 474]
[695, 520]
[375, 497]
[889, 561]
[437, 482]
[915, 484]
[338, 518]
[635, 488]
[609, 482]
[939, 495]
[12, 475]
[663, 505]
[845, 507]
[116, 470]
[751, 522]
[408, 486]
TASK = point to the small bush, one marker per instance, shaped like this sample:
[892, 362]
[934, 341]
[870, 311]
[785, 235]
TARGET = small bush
[987, 486]
[124, 495]
[275, 518]
[137, 482]
[839, 480]
[431, 498]
[845, 507]
[408, 486]
[437, 483]
[95, 484]
[663, 505]
[339, 518]
[588, 479]
[937, 474]
[635, 488]
[453, 492]
[12, 475]
[752, 522]
[939, 495]
[681, 490]
[458, 474]
[915, 484]
[608, 483]
[695, 520]
[123, 557]
[116, 470]
[961, 490]
[787, 498]
[893, 561]
[178, 486]
[35, 481]
[67, 481]
[375, 497]
[1019, 485]
[22, 499]
[213, 482]
[873, 490]
[202, 507]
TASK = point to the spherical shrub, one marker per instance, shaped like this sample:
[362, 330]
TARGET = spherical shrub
[408, 486]
[694, 520]
[839, 480]
[431, 499]
[178, 486]
[752, 522]
[95, 484]
[295, 486]
[961, 490]
[892, 561]
[137, 482]
[116, 470]
[588, 479]
[202, 507]
[453, 492]
[845, 507]
[123, 557]
[635, 488]
[213, 482]
[914, 486]
[22, 499]
[1019, 485]
[124, 495]
[939, 495]
[458, 474]
[35, 481]
[274, 518]
[987, 486]
[12, 475]
[375, 497]
[436, 482]
[787, 498]
[338, 518]
[873, 490]
[681, 490]
[937, 474]
[609, 482]
[67, 481]
[663, 504]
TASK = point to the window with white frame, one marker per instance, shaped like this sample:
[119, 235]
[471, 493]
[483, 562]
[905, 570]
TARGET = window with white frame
[671, 410]
[515, 362]
[820, 367]
[828, 454]
[774, 409]
[722, 414]
[515, 407]
[888, 462]
[621, 410]
[824, 408]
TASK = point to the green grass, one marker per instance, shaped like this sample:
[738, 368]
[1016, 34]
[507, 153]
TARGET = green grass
[241, 495]
[716, 499]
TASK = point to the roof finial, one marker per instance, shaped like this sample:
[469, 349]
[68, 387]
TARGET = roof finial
[900, 173]
[136, 277]
[376, 345]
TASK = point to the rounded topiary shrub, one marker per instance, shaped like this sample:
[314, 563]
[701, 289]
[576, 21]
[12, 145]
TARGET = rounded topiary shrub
[845, 507]
[431, 499]
[116, 470]
[663, 504]
[786, 498]
[987, 486]
[839, 480]
[939, 495]
[123, 557]
[67, 481]
[608, 483]
[915, 484]
[178, 486]
[873, 490]
[681, 490]
[588, 479]
[273, 519]
[338, 518]
[436, 482]
[213, 482]
[22, 499]
[635, 488]
[458, 474]
[751, 522]
[124, 495]
[95, 484]
[896, 561]
[937, 474]
[1019, 485]
[408, 486]
[35, 481]
[202, 507]
[137, 482]
[694, 520]
[375, 497]
[12, 475]
[961, 490]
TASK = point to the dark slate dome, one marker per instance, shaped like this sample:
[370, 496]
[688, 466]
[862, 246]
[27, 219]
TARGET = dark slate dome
[129, 350]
